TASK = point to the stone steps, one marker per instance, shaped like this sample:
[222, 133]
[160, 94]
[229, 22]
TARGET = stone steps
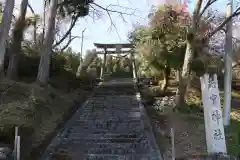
[118, 157]
[95, 123]
[98, 139]
[102, 131]
[104, 157]
[109, 127]
[102, 140]
[105, 147]
[112, 114]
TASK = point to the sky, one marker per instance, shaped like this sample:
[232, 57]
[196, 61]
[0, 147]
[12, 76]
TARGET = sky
[99, 31]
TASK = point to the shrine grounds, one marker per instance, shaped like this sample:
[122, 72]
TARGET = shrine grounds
[188, 122]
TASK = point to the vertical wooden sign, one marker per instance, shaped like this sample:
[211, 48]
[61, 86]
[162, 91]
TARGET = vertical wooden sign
[214, 129]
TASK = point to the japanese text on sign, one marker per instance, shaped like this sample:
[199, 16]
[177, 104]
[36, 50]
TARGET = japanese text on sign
[217, 134]
[216, 116]
[213, 98]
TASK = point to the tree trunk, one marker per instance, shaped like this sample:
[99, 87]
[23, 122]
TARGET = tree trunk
[189, 54]
[15, 49]
[5, 26]
[44, 65]
[44, 20]
[190, 80]
[35, 31]
[12, 72]
[166, 75]
[185, 73]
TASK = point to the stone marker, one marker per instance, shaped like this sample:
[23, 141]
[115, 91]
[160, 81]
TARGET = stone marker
[214, 129]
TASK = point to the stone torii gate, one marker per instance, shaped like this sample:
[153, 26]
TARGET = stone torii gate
[118, 48]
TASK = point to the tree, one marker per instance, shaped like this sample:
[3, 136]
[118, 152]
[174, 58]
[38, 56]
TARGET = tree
[88, 59]
[193, 39]
[135, 37]
[43, 70]
[15, 47]
[34, 19]
[162, 43]
[5, 26]
[168, 24]
[73, 9]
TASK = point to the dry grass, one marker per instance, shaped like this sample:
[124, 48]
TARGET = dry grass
[189, 133]
[36, 110]
[235, 115]
[189, 128]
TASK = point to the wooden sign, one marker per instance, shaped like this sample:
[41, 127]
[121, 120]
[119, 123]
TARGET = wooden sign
[214, 129]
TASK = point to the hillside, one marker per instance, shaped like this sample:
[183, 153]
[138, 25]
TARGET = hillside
[37, 111]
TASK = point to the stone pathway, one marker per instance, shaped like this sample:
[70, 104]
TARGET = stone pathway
[111, 125]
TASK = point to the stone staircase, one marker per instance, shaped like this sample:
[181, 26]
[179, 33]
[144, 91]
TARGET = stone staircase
[111, 125]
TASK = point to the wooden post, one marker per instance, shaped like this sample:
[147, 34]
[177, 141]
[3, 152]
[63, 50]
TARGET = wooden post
[18, 148]
[15, 143]
[104, 64]
[173, 144]
[134, 66]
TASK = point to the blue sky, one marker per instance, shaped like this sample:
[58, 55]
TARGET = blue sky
[98, 31]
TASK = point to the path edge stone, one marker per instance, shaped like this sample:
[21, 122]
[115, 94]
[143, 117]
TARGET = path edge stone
[146, 120]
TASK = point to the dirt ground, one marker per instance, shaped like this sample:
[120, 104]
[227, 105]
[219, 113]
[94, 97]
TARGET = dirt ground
[189, 132]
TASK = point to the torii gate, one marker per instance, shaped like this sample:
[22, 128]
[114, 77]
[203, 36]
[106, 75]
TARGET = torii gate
[118, 48]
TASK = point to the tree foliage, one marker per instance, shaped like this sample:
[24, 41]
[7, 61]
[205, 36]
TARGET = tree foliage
[162, 43]
[74, 7]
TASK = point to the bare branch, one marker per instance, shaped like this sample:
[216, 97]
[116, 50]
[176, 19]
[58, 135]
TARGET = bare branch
[95, 13]
[121, 13]
[208, 4]
[235, 13]
[198, 7]
[113, 24]
[31, 9]
[196, 16]
[71, 38]
[114, 11]
[74, 20]
[109, 15]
